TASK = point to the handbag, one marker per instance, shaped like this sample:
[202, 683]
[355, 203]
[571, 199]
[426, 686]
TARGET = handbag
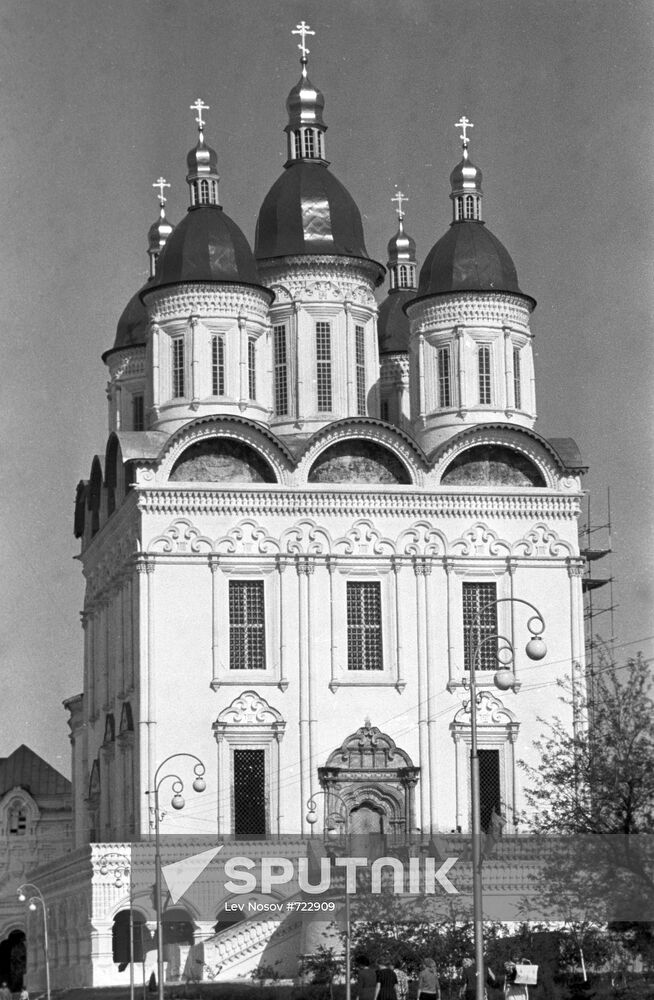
[526, 973]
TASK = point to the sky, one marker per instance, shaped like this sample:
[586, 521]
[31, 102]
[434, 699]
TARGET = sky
[94, 107]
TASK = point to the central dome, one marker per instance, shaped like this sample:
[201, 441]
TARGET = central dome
[468, 258]
[206, 246]
[307, 211]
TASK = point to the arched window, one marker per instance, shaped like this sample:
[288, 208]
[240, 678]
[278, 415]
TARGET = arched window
[297, 145]
[309, 148]
[17, 819]
[459, 207]
[204, 192]
[470, 207]
[403, 276]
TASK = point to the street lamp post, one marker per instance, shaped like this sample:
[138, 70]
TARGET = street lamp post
[36, 896]
[312, 818]
[503, 679]
[177, 802]
[119, 866]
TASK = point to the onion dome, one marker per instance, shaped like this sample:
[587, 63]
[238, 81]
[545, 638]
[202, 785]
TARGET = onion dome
[206, 245]
[392, 322]
[468, 257]
[307, 211]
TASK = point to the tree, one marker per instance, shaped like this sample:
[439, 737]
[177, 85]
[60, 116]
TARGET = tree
[593, 788]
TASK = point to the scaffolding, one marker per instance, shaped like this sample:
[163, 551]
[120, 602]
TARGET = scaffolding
[596, 544]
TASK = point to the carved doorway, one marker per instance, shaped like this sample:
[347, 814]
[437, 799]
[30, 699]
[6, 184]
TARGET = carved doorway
[374, 780]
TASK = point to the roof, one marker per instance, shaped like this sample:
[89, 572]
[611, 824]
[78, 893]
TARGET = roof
[568, 451]
[468, 258]
[307, 211]
[132, 326]
[205, 246]
[25, 769]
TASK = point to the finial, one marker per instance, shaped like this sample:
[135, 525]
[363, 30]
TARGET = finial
[399, 197]
[161, 184]
[200, 106]
[303, 30]
[464, 124]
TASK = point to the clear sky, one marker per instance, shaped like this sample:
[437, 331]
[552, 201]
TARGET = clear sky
[94, 106]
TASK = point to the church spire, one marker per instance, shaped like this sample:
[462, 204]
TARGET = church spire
[202, 162]
[465, 180]
[401, 252]
[305, 129]
[161, 229]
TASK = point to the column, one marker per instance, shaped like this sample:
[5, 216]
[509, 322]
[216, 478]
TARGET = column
[421, 568]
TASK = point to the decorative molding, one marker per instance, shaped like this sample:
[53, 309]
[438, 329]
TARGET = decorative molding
[471, 310]
[542, 542]
[481, 542]
[208, 301]
[515, 440]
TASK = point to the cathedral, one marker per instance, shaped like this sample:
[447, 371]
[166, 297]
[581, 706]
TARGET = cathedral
[322, 496]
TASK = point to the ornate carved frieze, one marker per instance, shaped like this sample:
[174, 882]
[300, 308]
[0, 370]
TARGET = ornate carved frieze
[322, 278]
[467, 310]
[205, 301]
[531, 505]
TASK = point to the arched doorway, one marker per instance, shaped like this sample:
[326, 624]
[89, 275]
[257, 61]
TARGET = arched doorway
[13, 960]
[375, 780]
[120, 938]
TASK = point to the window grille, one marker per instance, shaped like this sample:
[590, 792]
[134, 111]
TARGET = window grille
[403, 274]
[480, 634]
[204, 192]
[489, 786]
[249, 793]
[297, 143]
[484, 360]
[247, 640]
[324, 367]
[17, 822]
[459, 207]
[470, 207]
[360, 360]
[280, 370]
[252, 371]
[309, 148]
[218, 366]
[517, 388]
[138, 413]
[444, 388]
[178, 367]
[364, 626]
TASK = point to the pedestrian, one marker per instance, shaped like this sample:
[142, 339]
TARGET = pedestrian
[469, 976]
[23, 995]
[386, 980]
[402, 981]
[428, 985]
[5, 992]
[513, 990]
[365, 987]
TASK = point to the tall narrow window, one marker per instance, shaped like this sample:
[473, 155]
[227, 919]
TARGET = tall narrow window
[297, 143]
[138, 412]
[280, 370]
[364, 626]
[17, 821]
[489, 786]
[249, 793]
[178, 372]
[360, 361]
[480, 630]
[252, 371]
[384, 410]
[484, 360]
[247, 640]
[517, 387]
[308, 143]
[324, 367]
[444, 384]
[217, 366]
[403, 275]
[204, 192]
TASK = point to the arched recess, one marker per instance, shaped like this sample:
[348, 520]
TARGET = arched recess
[141, 937]
[376, 782]
[221, 460]
[492, 465]
[358, 460]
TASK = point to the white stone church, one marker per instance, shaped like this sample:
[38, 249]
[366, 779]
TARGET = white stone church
[311, 487]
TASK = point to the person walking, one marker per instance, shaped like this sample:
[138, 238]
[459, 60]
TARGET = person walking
[513, 990]
[429, 987]
[365, 987]
[386, 980]
[402, 988]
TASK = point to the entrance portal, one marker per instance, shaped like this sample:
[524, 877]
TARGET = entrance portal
[13, 960]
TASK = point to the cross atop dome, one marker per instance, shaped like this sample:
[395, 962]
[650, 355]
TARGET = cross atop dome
[199, 107]
[399, 197]
[464, 124]
[161, 184]
[303, 30]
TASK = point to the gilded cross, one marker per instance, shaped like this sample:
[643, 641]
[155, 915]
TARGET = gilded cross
[464, 124]
[303, 30]
[161, 184]
[399, 198]
[200, 106]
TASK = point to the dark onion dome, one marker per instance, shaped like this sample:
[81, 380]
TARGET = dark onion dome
[206, 246]
[392, 322]
[307, 211]
[132, 325]
[468, 259]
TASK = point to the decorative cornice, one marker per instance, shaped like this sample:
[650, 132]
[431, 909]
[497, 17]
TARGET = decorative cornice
[207, 301]
[185, 501]
[474, 309]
